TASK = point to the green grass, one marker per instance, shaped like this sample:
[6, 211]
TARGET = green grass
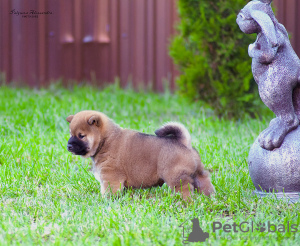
[48, 196]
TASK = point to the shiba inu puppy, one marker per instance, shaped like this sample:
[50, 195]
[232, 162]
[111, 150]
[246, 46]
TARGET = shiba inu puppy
[127, 158]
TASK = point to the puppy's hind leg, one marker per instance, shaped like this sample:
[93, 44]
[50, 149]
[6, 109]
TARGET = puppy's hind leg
[111, 187]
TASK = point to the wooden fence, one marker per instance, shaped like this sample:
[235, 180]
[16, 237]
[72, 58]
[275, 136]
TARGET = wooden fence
[288, 13]
[98, 40]
[87, 39]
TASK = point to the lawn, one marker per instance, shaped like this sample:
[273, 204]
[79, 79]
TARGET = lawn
[49, 196]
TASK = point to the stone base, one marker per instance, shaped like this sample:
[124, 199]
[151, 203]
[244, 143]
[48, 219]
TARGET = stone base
[290, 197]
[277, 170]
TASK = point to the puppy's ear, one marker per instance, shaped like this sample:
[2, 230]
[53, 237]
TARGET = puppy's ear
[94, 119]
[70, 118]
[267, 26]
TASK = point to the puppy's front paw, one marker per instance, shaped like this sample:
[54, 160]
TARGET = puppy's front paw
[111, 188]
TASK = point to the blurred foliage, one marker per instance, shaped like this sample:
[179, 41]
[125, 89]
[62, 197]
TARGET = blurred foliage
[212, 55]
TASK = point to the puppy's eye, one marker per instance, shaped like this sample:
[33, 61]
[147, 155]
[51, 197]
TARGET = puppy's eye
[81, 136]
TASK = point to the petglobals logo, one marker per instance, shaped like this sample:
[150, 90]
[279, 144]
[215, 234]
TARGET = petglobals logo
[247, 227]
[192, 231]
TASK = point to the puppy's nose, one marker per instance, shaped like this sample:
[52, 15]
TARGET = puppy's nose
[69, 147]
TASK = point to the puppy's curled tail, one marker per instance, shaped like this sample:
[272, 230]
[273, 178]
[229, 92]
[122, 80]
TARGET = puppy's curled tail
[175, 130]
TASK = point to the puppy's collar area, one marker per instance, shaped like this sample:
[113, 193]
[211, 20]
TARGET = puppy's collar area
[99, 147]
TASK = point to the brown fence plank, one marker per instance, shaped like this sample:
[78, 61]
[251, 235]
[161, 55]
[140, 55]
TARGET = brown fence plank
[125, 39]
[114, 58]
[31, 54]
[6, 38]
[42, 44]
[161, 43]
[139, 47]
[67, 38]
[150, 37]
[18, 40]
[168, 34]
[53, 42]
[78, 39]
[175, 22]
[286, 13]
[88, 40]
[96, 40]
[290, 19]
[279, 9]
[103, 41]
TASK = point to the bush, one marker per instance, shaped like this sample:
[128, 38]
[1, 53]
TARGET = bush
[212, 54]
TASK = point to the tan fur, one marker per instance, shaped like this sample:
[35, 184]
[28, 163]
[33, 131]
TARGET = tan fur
[127, 158]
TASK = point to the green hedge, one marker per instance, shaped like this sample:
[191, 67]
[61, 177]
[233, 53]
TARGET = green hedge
[212, 55]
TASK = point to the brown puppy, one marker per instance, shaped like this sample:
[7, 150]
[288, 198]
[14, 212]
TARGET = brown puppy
[126, 158]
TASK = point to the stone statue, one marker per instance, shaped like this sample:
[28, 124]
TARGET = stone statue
[274, 158]
[276, 70]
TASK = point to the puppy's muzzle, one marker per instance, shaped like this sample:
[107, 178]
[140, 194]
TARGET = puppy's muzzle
[77, 146]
